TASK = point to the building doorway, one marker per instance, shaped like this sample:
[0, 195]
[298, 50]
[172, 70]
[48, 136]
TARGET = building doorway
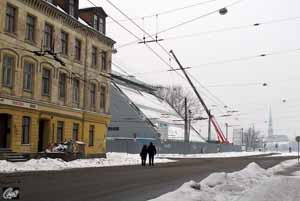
[5, 130]
[44, 130]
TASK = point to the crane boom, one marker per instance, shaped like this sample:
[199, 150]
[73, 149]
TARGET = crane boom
[212, 119]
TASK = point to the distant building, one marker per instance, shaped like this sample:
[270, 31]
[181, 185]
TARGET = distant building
[54, 75]
[272, 141]
[238, 136]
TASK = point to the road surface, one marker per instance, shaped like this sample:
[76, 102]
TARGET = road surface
[126, 183]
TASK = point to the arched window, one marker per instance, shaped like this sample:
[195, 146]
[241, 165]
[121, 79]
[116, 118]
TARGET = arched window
[76, 92]
[46, 82]
[7, 70]
[103, 98]
[28, 76]
[93, 95]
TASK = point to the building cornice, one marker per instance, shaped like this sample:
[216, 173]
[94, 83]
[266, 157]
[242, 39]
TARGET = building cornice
[51, 11]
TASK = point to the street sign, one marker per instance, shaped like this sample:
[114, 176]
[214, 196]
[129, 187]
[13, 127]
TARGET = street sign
[298, 138]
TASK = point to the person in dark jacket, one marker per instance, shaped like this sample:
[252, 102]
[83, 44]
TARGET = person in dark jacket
[143, 155]
[151, 152]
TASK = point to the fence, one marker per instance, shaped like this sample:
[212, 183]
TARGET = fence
[169, 147]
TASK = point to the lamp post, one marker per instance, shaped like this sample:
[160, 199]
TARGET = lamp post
[298, 141]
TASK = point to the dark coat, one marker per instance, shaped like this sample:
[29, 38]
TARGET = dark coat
[144, 152]
[151, 150]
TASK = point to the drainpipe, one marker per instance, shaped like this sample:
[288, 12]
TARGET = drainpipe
[85, 84]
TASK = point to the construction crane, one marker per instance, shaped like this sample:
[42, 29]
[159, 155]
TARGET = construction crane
[211, 119]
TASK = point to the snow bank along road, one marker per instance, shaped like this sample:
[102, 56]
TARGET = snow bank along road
[126, 183]
[251, 183]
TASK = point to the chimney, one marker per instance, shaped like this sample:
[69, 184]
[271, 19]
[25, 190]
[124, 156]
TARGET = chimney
[69, 6]
[95, 17]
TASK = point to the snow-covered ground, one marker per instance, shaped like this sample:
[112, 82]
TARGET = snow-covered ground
[47, 164]
[249, 184]
[284, 154]
[113, 159]
[213, 155]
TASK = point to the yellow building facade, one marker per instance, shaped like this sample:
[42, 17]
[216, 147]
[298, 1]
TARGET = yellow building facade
[54, 75]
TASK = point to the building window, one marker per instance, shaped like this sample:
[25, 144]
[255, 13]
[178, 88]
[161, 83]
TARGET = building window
[30, 28]
[93, 95]
[91, 135]
[60, 131]
[104, 60]
[8, 66]
[116, 128]
[28, 76]
[11, 20]
[75, 132]
[62, 85]
[64, 43]
[25, 130]
[46, 77]
[77, 49]
[102, 98]
[94, 56]
[48, 37]
[101, 25]
[96, 22]
[76, 92]
[72, 8]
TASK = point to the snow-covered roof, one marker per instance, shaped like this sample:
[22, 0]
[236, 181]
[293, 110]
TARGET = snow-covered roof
[158, 111]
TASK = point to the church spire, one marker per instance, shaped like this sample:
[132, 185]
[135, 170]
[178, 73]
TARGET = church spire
[270, 128]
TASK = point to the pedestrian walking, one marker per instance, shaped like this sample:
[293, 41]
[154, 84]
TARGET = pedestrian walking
[151, 152]
[143, 155]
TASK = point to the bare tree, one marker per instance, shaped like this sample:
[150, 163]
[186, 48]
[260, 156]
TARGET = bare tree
[175, 97]
[252, 139]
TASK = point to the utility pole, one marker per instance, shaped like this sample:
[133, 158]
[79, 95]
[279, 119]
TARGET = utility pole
[242, 136]
[226, 125]
[190, 122]
[186, 134]
[209, 128]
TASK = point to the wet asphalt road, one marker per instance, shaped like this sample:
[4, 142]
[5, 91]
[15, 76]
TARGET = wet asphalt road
[127, 183]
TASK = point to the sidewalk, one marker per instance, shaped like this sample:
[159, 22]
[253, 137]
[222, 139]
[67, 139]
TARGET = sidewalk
[290, 171]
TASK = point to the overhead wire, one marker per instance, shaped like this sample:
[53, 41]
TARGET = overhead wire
[227, 61]
[163, 48]
[207, 95]
[120, 67]
[169, 11]
[183, 23]
[233, 28]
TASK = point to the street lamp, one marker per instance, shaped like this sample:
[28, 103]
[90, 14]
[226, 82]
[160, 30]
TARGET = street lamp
[223, 11]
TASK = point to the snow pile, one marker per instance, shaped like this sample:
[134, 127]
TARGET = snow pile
[48, 164]
[275, 189]
[225, 186]
[214, 155]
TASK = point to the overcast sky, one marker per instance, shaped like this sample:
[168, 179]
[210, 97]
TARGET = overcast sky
[229, 81]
